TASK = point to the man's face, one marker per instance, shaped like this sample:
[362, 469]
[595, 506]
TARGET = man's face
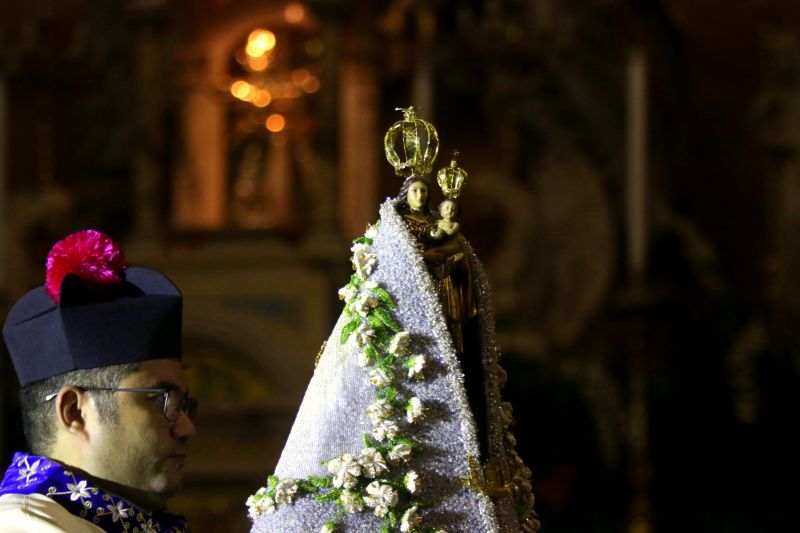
[143, 453]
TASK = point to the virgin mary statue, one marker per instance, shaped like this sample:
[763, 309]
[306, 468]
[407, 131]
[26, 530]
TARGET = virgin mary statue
[402, 427]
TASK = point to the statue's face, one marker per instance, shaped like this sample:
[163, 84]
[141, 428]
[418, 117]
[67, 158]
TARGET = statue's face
[417, 196]
[447, 209]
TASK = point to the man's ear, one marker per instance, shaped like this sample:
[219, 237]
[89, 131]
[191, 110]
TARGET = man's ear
[71, 405]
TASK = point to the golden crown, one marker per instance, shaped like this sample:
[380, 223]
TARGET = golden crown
[451, 178]
[419, 144]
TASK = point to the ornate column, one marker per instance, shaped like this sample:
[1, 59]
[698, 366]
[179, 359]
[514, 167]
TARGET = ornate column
[147, 170]
[640, 520]
[359, 132]
[199, 192]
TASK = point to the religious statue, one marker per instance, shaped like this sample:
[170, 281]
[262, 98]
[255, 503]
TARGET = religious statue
[402, 427]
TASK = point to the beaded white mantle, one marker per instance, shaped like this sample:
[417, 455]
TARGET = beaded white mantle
[433, 482]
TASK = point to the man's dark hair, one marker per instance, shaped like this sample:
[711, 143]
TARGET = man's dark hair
[38, 415]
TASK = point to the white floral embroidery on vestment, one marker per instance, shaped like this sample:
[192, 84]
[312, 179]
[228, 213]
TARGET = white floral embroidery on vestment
[29, 470]
[118, 511]
[78, 491]
[149, 527]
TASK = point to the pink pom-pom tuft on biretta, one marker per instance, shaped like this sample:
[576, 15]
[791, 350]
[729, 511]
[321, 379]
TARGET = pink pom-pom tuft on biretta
[89, 254]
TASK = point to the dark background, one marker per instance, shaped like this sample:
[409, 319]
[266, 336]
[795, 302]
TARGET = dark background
[659, 402]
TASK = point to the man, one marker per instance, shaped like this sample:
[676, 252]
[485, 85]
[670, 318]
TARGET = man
[104, 397]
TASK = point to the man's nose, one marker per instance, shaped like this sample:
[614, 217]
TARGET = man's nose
[183, 427]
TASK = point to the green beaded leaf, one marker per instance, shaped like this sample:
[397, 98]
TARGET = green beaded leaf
[410, 443]
[272, 481]
[349, 328]
[375, 322]
[307, 486]
[389, 394]
[371, 352]
[368, 442]
[362, 240]
[385, 297]
[387, 319]
[330, 496]
[321, 482]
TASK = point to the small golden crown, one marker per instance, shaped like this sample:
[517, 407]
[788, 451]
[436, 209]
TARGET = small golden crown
[420, 144]
[451, 178]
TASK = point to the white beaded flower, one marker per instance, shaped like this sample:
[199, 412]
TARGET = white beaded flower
[379, 411]
[386, 429]
[372, 463]
[380, 497]
[380, 377]
[411, 480]
[327, 528]
[345, 471]
[400, 452]
[363, 334]
[363, 259]
[364, 302]
[285, 491]
[372, 231]
[410, 520]
[414, 409]
[415, 365]
[400, 343]
[351, 502]
[348, 292]
[259, 503]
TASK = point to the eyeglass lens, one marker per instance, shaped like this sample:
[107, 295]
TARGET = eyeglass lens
[175, 402]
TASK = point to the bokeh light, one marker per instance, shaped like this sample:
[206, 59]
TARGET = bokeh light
[259, 42]
[294, 13]
[275, 122]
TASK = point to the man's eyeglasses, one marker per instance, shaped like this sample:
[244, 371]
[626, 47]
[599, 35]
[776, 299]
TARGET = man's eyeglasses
[175, 402]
